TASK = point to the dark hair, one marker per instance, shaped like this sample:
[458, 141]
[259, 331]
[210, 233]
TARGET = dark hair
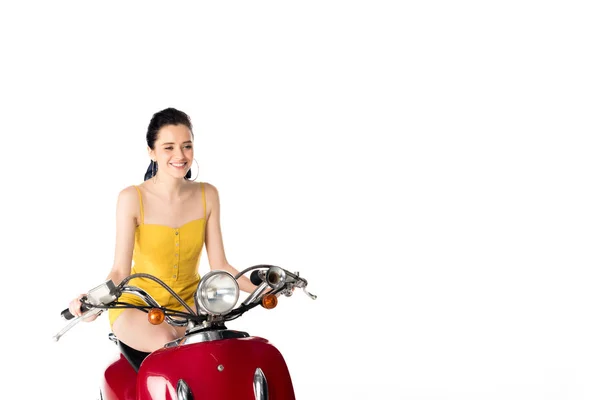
[168, 116]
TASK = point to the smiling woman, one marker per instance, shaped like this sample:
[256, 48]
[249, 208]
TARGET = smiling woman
[174, 148]
[162, 226]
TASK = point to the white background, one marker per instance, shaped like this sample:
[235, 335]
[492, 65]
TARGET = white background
[430, 167]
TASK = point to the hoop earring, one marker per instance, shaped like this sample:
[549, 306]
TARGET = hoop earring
[154, 170]
[197, 173]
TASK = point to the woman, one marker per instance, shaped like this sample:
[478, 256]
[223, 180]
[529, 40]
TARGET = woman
[162, 226]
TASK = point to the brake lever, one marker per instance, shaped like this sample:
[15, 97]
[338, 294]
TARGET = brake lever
[312, 296]
[302, 283]
[75, 321]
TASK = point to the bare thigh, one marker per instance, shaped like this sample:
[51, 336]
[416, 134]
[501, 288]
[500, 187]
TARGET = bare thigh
[133, 329]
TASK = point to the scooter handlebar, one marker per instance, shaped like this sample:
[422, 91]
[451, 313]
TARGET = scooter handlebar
[258, 276]
[66, 314]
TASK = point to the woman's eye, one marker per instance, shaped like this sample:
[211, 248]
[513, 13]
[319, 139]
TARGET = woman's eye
[168, 148]
[188, 146]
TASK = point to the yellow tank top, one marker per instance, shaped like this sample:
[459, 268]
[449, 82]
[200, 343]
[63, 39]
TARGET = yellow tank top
[170, 254]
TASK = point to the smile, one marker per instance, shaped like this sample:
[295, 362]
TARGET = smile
[179, 165]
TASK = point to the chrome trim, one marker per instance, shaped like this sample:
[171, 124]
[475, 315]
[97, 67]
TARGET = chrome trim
[261, 390]
[183, 391]
[276, 277]
[257, 292]
[142, 294]
[206, 336]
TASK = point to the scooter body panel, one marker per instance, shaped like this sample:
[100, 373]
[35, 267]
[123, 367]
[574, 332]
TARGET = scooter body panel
[119, 381]
[220, 369]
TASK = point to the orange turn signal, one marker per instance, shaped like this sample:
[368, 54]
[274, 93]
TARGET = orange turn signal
[156, 316]
[269, 301]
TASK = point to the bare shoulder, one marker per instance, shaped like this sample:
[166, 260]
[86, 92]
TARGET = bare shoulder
[128, 193]
[212, 197]
[211, 190]
[197, 187]
[128, 199]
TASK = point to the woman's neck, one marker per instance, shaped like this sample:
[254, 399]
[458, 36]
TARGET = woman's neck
[168, 187]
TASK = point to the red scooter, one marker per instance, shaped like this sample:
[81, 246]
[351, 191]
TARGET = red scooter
[209, 362]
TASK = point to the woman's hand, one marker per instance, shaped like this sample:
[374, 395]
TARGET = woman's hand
[75, 309]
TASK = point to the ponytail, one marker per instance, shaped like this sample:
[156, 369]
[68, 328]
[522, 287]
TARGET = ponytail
[151, 171]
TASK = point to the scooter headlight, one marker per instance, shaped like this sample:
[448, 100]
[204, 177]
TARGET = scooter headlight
[217, 293]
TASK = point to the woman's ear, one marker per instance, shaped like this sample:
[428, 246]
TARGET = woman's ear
[151, 154]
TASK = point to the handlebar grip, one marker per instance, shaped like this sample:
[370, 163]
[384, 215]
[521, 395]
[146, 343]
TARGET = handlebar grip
[66, 314]
[255, 278]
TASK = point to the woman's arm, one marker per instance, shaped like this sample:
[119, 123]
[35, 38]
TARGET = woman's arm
[127, 211]
[214, 239]
[127, 206]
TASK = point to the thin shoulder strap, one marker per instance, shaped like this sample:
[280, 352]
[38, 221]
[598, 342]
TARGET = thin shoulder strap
[141, 205]
[203, 198]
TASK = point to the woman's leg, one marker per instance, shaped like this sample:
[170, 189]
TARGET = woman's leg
[133, 329]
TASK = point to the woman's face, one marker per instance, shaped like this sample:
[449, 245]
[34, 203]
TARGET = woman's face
[173, 150]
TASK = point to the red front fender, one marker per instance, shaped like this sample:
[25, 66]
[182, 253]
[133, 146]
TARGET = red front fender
[215, 370]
